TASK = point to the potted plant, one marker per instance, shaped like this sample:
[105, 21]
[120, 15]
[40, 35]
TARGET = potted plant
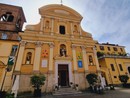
[37, 81]
[123, 79]
[92, 80]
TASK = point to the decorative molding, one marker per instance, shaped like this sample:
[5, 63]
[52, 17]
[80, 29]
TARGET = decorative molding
[51, 45]
[38, 44]
[83, 47]
[16, 72]
[36, 72]
[86, 71]
[69, 64]
[73, 46]
[23, 43]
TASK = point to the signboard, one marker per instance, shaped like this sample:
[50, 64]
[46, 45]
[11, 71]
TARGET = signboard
[44, 63]
[80, 65]
[11, 60]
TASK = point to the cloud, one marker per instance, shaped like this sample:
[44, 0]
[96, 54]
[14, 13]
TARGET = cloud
[108, 21]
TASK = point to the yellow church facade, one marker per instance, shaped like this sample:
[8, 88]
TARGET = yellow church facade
[58, 48]
[113, 61]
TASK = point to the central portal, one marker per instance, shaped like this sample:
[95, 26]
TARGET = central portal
[63, 75]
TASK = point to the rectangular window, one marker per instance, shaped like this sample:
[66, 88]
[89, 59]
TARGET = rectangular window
[114, 48]
[14, 50]
[109, 48]
[112, 67]
[121, 49]
[4, 36]
[120, 66]
[62, 29]
[101, 48]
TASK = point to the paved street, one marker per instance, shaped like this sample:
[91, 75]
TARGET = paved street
[118, 93]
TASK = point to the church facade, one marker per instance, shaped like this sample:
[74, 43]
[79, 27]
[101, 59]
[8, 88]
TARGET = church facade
[57, 47]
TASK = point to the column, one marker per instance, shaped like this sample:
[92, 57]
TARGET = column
[76, 78]
[20, 56]
[74, 58]
[85, 59]
[37, 57]
[50, 82]
[52, 26]
[96, 59]
[41, 28]
[51, 57]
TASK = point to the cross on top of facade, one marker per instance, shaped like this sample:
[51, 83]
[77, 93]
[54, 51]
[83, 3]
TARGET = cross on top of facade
[61, 2]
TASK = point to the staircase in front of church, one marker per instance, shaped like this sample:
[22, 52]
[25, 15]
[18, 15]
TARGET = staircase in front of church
[66, 91]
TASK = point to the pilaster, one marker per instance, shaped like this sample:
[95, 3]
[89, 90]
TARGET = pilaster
[52, 26]
[85, 59]
[74, 58]
[37, 57]
[41, 27]
[96, 59]
[20, 56]
[51, 57]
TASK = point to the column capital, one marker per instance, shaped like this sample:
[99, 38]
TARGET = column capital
[51, 45]
[73, 47]
[83, 47]
[38, 44]
[23, 43]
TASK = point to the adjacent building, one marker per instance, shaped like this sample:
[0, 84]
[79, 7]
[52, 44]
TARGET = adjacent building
[11, 22]
[113, 61]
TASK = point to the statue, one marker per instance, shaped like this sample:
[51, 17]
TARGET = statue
[62, 52]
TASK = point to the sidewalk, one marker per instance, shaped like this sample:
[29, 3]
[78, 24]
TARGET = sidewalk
[117, 93]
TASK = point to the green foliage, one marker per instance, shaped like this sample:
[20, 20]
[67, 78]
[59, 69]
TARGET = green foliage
[99, 54]
[123, 78]
[37, 81]
[8, 95]
[91, 78]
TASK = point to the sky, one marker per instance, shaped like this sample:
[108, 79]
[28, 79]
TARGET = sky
[106, 20]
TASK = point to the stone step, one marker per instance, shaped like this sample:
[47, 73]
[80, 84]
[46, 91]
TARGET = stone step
[66, 91]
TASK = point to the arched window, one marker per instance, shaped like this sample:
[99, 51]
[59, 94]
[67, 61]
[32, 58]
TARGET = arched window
[62, 29]
[8, 17]
[90, 60]
[47, 24]
[62, 50]
[75, 28]
[129, 70]
[28, 58]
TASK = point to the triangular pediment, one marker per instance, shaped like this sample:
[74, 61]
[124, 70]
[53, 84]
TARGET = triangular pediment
[60, 11]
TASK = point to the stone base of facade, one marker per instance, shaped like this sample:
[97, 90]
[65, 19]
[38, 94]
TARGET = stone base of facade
[80, 79]
[25, 85]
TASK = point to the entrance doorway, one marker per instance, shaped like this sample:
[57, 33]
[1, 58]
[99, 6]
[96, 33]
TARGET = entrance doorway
[63, 75]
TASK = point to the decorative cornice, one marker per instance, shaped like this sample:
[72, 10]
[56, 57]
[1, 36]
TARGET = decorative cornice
[51, 45]
[23, 43]
[38, 44]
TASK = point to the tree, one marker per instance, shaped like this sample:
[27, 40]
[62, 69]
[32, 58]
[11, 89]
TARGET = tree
[123, 78]
[91, 78]
[37, 81]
